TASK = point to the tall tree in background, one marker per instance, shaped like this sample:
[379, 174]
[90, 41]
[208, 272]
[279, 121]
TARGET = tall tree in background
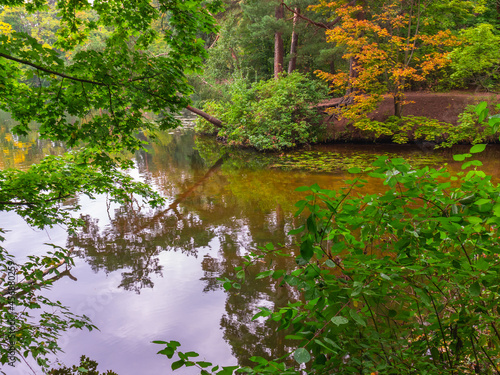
[294, 43]
[279, 51]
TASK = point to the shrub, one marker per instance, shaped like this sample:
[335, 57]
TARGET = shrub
[476, 60]
[270, 115]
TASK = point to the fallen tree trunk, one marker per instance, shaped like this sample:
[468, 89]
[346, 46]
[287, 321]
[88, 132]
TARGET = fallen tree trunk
[214, 121]
[180, 198]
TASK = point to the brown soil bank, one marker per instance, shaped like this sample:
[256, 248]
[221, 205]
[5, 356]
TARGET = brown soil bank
[440, 106]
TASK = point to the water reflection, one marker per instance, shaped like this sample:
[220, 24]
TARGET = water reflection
[22, 151]
[223, 203]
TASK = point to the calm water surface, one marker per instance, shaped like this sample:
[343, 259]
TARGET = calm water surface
[145, 275]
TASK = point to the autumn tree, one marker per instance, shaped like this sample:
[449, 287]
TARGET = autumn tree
[390, 49]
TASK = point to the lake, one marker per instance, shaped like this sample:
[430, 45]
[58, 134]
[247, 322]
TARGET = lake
[144, 275]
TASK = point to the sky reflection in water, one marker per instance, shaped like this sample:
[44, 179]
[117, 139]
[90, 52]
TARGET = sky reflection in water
[145, 275]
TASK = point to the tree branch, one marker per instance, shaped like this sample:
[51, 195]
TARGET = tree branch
[9, 203]
[317, 24]
[322, 25]
[8, 57]
[214, 121]
[32, 281]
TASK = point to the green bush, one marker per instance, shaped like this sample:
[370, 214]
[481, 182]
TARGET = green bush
[469, 129]
[269, 115]
[401, 130]
[476, 60]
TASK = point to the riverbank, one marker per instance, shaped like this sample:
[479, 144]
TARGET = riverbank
[444, 107]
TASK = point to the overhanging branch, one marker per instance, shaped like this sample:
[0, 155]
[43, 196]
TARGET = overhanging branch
[8, 57]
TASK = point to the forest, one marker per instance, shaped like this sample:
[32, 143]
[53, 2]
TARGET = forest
[402, 281]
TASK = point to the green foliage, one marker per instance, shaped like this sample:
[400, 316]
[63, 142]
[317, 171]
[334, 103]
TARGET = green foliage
[86, 366]
[476, 60]
[483, 113]
[400, 282]
[185, 360]
[470, 130]
[246, 40]
[21, 333]
[418, 128]
[402, 129]
[271, 115]
[37, 193]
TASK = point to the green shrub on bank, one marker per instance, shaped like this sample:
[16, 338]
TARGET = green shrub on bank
[269, 115]
[401, 130]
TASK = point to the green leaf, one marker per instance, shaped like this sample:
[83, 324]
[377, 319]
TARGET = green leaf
[261, 275]
[306, 250]
[482, 111]
[203, 364]
[460, 157]
[303, 188]
[169, 352]
[474, 220]
[227, 370]
[476, 163]
[475, 289]
[296, 231]
[294, 337]
[357, 318]
[477, 148]
[315, 188]
[339, 320]
[482, 201]
[354, 170]
[178, 364]
[330, 263]
[480, 107]
[301, 355]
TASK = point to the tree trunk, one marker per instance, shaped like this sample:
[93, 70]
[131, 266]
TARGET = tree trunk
[399, 96]
[295, 41]
[215, 122]
[278, 44]
[332, 67]
[353, 61]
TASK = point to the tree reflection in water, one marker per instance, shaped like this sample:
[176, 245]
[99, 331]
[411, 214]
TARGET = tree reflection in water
[214, 206]
[228, 200]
